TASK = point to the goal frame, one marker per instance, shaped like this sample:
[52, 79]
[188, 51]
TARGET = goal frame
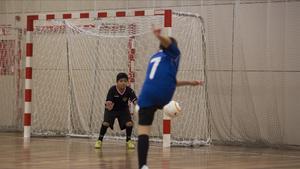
[84, 15]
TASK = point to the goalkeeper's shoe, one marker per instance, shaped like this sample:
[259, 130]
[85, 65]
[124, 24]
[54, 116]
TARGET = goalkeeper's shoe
[98, 144]
[130, 144]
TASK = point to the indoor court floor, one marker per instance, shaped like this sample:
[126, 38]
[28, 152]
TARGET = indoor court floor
[79, 153]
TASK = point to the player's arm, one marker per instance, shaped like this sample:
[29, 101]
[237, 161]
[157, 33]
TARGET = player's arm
[133, 100]
[133, 97]
[169, 44]
[109, 104]
[189, 83]
[165, 41]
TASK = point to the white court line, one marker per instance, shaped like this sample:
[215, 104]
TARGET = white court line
[208, 150]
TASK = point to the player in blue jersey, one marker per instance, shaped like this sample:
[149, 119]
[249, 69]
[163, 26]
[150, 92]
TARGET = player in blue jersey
[158, 89]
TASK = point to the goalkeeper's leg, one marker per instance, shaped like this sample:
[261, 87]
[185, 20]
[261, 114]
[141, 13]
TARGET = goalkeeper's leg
[109, 118]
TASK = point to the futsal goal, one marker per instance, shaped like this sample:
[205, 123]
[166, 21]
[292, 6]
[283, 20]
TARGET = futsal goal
[73, 58]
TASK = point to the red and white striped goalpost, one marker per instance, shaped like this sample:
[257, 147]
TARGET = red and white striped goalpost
[28, 76]
[131, 55]
[166, 119]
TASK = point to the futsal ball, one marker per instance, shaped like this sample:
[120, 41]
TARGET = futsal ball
[172, 109]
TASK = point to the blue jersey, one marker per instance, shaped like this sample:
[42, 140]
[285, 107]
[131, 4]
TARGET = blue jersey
[160, 82]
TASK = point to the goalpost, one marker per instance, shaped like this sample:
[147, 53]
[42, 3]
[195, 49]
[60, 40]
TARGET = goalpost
[72, 60]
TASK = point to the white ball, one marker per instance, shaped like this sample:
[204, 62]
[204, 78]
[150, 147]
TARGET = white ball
[172, 109]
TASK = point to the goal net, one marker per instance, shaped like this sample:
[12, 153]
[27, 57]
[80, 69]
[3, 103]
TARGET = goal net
[75, 62]
[10, 78]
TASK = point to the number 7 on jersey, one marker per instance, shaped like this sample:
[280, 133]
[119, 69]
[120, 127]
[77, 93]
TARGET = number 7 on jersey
[154, 67]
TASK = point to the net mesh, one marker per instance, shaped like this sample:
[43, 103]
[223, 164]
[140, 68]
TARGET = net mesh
[10, 79]
[246, 77]
[76, 62]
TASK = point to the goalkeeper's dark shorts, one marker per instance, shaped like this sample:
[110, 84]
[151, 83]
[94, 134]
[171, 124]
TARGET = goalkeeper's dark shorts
[123, 117]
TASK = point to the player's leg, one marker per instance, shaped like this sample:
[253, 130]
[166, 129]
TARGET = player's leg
[129, 127]
[125, 122]
[109, 118]
[146, 116]
[108, 121]
[143, 144]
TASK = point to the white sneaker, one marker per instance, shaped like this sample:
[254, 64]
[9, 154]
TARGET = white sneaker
[145, 167]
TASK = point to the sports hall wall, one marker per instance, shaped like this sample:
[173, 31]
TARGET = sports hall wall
[253, 62]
